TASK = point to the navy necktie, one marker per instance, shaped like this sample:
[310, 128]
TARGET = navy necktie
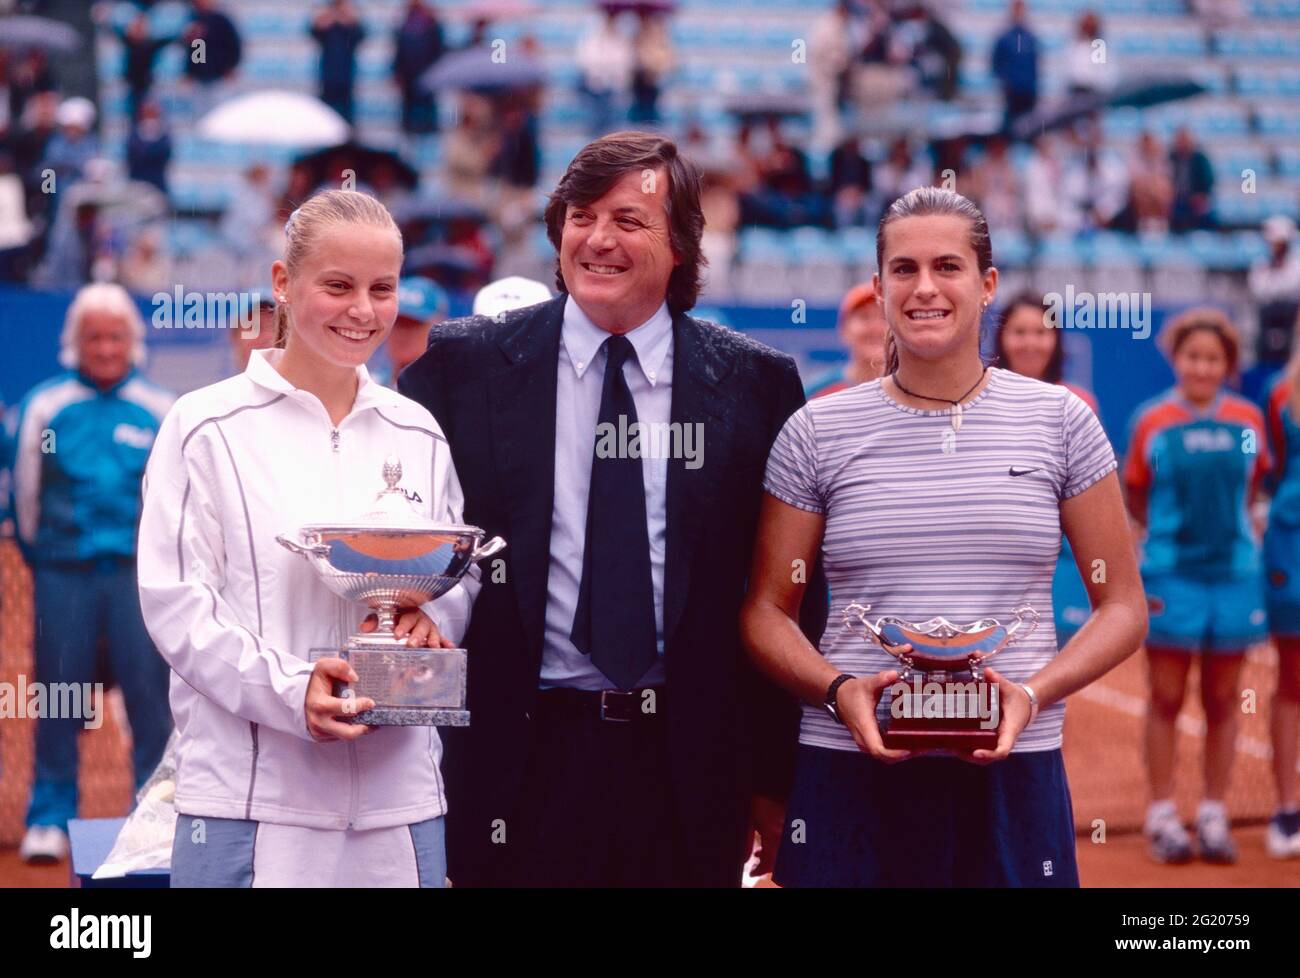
[615, 619]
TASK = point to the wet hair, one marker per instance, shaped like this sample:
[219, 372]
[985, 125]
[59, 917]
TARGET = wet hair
[1202, 318]
[928, 202]
[1055, 369]
[329, 208]
[601, 164]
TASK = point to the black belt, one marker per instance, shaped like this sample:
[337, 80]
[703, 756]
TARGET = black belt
[610, 705]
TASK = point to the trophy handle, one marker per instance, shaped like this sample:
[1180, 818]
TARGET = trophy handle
[856, 612]
[319, 550]
[493, 546]
[1025, 615]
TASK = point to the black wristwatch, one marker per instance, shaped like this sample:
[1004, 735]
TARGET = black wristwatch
[832, 696]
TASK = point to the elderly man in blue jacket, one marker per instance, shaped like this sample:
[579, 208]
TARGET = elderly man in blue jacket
[79, 448]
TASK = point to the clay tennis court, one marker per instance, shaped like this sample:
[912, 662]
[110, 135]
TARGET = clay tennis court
[1103, 755]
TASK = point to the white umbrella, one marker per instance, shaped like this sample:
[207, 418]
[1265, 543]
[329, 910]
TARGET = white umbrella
[38, 32]
[274, 118]
[492, 10]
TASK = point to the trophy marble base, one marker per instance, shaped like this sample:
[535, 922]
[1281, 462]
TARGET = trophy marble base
[410, 686]
[398, 716]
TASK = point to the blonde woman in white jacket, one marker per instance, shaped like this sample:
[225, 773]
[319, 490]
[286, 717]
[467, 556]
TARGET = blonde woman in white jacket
[272, 789]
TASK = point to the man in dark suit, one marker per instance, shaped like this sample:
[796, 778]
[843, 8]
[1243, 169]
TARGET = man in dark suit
[618, 736]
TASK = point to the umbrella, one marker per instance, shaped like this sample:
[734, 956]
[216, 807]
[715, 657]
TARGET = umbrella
[755, 107]
[1144, 93]
[490, 10]
[274, 118]
[38, 32]
[475, 69]
[977, 125]
[126, 200]
[363, 159]
[1139, 94]
[639, 6]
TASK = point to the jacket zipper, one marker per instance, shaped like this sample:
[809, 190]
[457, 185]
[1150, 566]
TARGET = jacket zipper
[354, 796]
[356, 785]
[252, 776]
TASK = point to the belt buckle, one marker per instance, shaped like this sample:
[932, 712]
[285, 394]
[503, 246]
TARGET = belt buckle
[605, 703]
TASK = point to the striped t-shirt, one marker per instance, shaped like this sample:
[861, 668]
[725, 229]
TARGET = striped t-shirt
[922, 521]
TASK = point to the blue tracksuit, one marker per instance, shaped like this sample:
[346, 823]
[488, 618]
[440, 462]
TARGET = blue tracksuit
[6, 449]
[78, 455]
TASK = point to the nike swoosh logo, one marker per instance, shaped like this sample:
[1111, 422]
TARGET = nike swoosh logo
[1013, 471]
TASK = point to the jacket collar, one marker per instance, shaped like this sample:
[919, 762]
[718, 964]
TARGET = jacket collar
[261, 371]
[111, 391]
[582, 339]
[535, 332]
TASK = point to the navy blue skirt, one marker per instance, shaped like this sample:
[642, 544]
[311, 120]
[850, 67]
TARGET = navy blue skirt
[853, 821]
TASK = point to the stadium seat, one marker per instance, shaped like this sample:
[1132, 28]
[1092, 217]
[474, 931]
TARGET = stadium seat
[1011, 249]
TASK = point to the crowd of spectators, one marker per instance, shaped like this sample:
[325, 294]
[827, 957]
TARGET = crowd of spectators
[1066, 180]
[832, 161]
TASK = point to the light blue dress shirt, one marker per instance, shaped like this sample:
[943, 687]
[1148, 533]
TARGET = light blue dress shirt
[579, 381]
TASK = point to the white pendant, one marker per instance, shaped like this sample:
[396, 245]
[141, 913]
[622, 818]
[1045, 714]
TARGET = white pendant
[955, 415]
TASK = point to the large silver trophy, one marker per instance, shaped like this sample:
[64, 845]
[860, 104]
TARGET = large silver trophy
[386, 559]
[941, 699]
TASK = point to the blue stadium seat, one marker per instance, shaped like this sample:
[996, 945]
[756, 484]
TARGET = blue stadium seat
[762, 244]
[1288, 162]
[1165, 251]
[1011, 249]
[1251, 245]
[813, 245]
[1236, 208]
[1259, 44]
[1279, 122]
[857, 245]
[195, 197]
[1115, 248]
[1207, 248]
[1280, 9]
[1062, 250]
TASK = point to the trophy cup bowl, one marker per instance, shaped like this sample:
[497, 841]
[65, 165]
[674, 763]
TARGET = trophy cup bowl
[388, 559]
[949, 705]
[387, 568]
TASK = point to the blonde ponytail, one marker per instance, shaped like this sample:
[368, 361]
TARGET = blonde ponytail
[324, 210]
[281, 324]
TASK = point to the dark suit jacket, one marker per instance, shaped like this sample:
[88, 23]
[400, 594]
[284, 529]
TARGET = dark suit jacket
[492, 387]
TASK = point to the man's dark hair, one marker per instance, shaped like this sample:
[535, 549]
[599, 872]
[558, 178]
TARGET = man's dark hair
[601, 164]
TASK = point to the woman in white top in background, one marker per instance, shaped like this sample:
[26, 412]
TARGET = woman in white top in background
[272, 789]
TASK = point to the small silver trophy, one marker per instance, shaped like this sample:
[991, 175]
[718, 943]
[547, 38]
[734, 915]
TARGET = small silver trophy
[391, 558]
[949, 704]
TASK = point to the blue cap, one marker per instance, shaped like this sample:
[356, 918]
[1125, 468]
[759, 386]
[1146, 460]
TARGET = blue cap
[420, 298]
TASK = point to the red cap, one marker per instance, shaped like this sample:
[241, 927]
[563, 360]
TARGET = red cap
[858, 296]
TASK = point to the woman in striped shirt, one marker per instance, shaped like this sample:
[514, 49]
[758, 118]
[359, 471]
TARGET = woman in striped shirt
[941, 489]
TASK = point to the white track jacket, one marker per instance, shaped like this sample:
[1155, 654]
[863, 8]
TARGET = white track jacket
[235, 614]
